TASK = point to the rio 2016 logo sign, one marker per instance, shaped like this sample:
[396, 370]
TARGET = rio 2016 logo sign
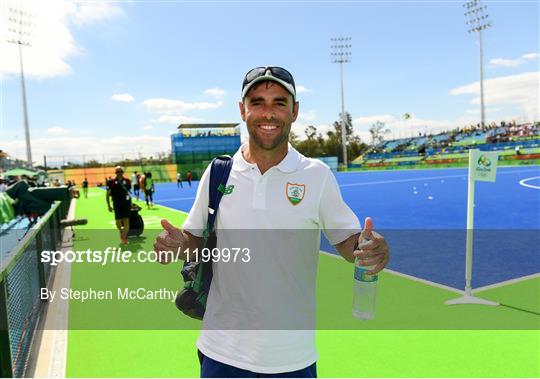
[484, 161]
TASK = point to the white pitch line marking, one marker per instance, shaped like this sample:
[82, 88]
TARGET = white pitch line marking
[414, 278]
[175, 199]
[524, 184]
[442, 286]
[424, 281]
[402, 180]
[506, 282]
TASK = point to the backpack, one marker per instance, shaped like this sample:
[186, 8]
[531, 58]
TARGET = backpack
[198, 275]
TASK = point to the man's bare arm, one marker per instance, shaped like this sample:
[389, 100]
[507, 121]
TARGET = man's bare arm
[346, 248]
[108, 197]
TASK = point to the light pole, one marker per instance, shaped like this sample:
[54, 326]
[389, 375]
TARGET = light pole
[341, 54]
[477, 22]
[18, 21]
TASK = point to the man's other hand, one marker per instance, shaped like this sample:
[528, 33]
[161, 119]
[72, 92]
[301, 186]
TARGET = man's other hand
[373, 252]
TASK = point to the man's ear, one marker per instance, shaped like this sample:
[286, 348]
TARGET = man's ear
[242, 110]
[296, 106]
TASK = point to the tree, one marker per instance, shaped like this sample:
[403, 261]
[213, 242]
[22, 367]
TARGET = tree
[310, 132]
[355, 146]
[313, 146]
[349, 132]
[294, 139]
[92, 163]
[377, 132]
[317, 145]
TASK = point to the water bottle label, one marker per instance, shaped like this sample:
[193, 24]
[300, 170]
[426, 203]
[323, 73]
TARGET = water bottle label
[360, 275]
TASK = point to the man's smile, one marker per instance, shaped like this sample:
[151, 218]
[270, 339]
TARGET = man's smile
[268, 127]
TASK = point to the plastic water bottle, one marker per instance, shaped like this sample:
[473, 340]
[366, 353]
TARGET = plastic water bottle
[365, 291]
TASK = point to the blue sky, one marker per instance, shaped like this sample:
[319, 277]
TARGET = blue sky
[118, 77]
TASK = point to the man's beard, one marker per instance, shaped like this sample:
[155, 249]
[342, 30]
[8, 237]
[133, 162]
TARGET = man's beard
[277, 141]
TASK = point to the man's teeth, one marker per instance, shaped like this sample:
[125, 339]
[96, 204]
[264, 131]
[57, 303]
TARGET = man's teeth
[268, 127]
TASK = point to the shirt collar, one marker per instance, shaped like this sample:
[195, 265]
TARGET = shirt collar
[287, 165]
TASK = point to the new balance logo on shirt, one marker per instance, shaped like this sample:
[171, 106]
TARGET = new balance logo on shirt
[226, 190]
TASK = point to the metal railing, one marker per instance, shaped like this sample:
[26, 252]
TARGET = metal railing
[22, 276]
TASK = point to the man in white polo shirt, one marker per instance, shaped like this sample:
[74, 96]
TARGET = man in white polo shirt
[260, 312]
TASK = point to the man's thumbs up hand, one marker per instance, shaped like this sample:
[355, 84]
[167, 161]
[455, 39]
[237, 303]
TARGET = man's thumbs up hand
[366, 233]
[373, 249]
[173, 231]
[169, 242]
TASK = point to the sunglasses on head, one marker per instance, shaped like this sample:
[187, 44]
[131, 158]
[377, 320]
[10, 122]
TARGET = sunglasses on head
[276, 72]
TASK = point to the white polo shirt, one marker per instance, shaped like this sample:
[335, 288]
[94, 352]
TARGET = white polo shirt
[260, 314]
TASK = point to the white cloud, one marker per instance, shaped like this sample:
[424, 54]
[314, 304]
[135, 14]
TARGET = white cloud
[168, 106]
[514, 90]
[506, 62]
[302, 89]
[178, 119]
[122, 97]
[57, 130]
[148, 127]
[52, 43]
[369, 120]
[215, 92]
[513, 62]
[91, 12]
[530, 56]
[307, 116]
[56, 147]
[476, 111]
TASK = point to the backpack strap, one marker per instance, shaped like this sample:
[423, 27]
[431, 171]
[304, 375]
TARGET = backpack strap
[219, 174]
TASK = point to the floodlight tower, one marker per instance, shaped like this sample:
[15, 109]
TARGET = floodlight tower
[341, 54]
[478, 21]
[19, 33]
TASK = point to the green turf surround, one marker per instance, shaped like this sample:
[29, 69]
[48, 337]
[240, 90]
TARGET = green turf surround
[464, 163]
[356, 352]
[403, 159]
[428, 353]
[448, 156]
[408, 304]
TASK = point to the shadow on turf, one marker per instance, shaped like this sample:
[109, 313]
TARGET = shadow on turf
[520, 309]
[137, 242]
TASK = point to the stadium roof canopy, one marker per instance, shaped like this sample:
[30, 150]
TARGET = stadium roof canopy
[19, 172]
[207, 126]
